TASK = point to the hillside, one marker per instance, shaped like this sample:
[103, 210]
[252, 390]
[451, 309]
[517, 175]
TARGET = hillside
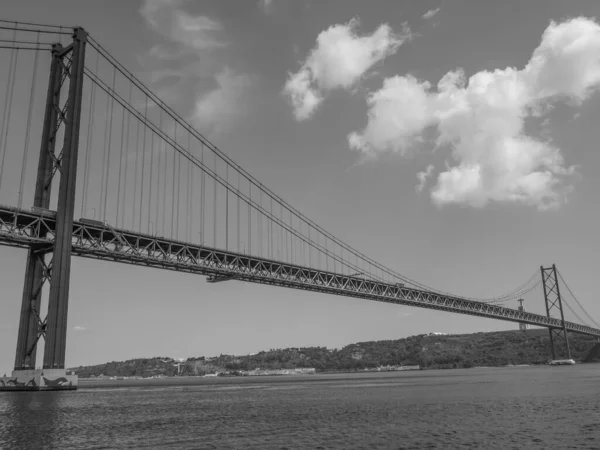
[427, 351]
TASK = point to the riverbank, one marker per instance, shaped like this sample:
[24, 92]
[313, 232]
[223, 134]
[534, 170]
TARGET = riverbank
[322, 378]
[431, 351]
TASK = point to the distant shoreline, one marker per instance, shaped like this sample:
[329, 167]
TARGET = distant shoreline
[182, 381]
[422, 352]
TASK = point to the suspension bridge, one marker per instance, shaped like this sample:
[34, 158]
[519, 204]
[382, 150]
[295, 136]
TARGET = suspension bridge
[94, 164]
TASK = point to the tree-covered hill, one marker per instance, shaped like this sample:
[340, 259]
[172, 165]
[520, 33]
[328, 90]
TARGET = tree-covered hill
[427, 351]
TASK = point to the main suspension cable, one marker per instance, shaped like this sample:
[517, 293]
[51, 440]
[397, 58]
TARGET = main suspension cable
[577, 301]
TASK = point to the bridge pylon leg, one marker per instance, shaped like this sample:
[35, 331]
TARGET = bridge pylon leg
[31, 327]
[559, 338]
[52, 262]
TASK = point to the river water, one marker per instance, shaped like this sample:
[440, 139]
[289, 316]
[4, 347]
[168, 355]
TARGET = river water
[503, 408]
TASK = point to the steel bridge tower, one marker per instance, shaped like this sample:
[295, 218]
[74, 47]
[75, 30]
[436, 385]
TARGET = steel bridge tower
[51, 263]
[559, 339]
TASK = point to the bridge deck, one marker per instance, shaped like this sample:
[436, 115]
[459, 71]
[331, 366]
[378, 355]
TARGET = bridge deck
[22, 228]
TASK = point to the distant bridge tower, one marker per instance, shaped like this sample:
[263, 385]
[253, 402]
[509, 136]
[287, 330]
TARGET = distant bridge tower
[559, 339]
[522, 326]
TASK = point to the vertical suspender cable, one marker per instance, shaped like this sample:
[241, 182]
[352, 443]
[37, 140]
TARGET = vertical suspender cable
[227, 207]
[160, 203]
[309, 246]
[143, 166]
[279, 236]
[259, 224]
[107, 117]
[173, 189]
[120, 167]
[10, 89]
[362, 257]
[187, 192]
[282, 239]
[164, 191]
[302, 242]
[326, 255]
[126, 158]
[203, 192]
[112, 108]
[284, 236]
[238, 213]
[135, 172]
[270, 227]
[151, 180]
[190, 177]
[215, 204]
[177, 199]
[158, 171]
[249, 245]
[28, 126]
[290, 241]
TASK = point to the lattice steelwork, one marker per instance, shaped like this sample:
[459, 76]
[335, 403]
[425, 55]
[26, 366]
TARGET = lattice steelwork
[140, 185]
[50, 261]
[559, 338]
[92, 240]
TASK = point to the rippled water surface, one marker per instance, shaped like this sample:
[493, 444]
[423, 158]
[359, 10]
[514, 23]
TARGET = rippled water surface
[509, 408]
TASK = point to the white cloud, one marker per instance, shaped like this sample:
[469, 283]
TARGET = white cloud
[305, 99]
[423, 177]
[79, 328]
[150, 8]
[220, 107]
[180, 64]
[482, 120]
[397, 114]
[339, 59]
[194, 32]
[429, 14]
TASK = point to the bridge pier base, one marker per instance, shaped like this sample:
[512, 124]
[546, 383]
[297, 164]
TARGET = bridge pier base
[39, 380]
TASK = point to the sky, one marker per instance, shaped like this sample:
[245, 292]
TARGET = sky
[452, 141]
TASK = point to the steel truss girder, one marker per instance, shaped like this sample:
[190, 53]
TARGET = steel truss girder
[19, 228]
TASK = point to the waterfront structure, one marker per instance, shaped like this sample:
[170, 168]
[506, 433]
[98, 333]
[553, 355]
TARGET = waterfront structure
[219, 221]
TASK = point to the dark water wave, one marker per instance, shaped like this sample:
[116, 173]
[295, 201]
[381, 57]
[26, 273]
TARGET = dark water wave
[516, 408]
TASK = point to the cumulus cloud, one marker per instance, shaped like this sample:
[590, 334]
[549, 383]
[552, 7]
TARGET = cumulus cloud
[481, 119]
[339, 59]
[79, 328]
[187, 61]
[423, 177]
[429, 14]
[220, 107]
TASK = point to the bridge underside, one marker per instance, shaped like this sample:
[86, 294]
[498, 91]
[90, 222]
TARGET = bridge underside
[21, 228]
